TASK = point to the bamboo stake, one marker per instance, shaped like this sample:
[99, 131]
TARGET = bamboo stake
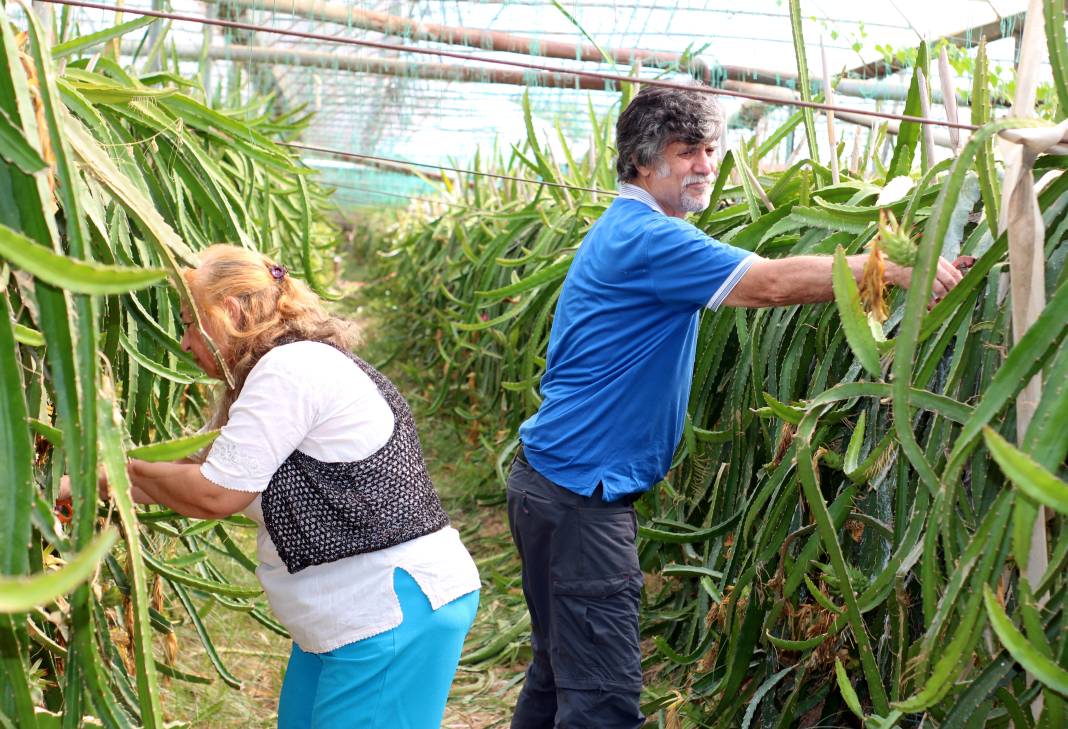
[828, 98]
[854, 158]
[949, 94]
[751, 176]
[43, 11]
[795, 154]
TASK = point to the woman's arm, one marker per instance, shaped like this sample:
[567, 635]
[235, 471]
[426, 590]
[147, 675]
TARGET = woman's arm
[183, 488]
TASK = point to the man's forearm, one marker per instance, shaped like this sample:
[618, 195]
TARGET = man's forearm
[801, 280]
[807, 279]
[812, 283]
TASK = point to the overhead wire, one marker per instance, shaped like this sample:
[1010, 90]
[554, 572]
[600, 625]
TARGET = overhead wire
[613, 77]
[417, 198]
[445, 168]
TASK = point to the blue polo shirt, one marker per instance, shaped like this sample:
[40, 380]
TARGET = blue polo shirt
[621, 350]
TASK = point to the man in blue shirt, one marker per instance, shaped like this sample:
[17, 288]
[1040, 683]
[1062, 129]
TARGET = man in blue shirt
[615, 389]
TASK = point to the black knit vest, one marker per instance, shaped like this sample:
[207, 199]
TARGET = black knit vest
[318, 512]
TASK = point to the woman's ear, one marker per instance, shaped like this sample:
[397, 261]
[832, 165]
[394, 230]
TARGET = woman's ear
[233, 310]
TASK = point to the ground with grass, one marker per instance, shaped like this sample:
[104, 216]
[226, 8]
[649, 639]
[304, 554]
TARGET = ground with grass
[485, 689]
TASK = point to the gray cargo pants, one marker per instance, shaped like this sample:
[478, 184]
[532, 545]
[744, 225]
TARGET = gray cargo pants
[582, 585]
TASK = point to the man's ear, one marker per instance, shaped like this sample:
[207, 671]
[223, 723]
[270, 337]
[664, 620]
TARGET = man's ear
[646, 172]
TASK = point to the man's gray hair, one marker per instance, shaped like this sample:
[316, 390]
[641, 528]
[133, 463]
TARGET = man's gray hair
[658, 116]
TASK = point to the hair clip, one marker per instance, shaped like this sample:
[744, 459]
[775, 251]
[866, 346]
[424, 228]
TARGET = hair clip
[278, 272]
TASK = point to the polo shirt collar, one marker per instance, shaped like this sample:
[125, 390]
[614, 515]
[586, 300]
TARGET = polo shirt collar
[628, 191]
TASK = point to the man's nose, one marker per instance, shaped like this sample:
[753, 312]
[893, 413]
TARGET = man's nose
[704, 163]
[185, 343]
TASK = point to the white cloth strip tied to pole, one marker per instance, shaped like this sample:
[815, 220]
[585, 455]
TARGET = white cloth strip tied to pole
[1022, 219]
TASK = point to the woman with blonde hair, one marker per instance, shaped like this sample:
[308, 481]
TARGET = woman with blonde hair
[356, 554]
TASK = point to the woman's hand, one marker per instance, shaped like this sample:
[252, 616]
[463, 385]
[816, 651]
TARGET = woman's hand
[101, 484]
[139, 496]
[63, 507]
[64, 489]
[63, 496]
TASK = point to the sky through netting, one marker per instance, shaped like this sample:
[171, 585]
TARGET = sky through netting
[405, 106]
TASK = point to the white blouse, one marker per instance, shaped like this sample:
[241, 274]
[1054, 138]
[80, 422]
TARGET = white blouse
[310, 397]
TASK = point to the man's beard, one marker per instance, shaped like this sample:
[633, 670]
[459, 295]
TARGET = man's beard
[695, 202]
[689, 201]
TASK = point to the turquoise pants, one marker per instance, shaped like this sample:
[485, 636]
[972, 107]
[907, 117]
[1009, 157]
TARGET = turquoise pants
[399, 679]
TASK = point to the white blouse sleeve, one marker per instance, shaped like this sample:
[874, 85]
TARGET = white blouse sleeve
[270, 418]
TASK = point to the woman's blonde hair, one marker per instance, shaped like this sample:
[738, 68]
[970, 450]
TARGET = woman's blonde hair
[272, 307]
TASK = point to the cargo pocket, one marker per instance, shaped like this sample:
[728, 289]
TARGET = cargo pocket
[595, 634]
[595, 611]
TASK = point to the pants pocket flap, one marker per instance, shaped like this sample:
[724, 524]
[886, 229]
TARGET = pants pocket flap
[594, 586]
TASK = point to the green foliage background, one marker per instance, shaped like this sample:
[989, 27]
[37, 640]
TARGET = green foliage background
[111, 182]
[841, 537]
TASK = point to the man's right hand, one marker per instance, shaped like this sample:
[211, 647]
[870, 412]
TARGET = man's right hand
[947, 276]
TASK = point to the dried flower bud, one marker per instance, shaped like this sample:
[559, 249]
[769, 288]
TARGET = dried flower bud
[873, 284]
